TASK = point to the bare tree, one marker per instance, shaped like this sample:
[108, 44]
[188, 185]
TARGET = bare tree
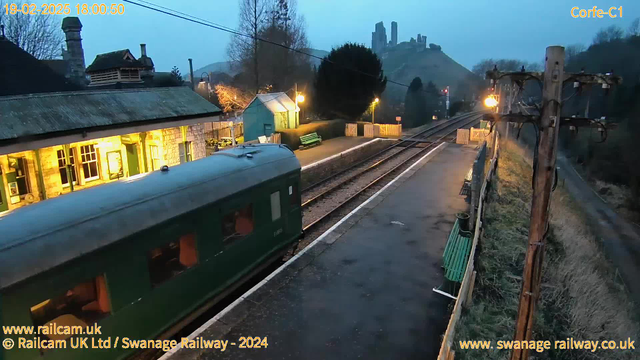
[284, 65]
[243, 50]
[608, 34]
[232, 98]
[634, 28]
[571, 51]
[39, 35]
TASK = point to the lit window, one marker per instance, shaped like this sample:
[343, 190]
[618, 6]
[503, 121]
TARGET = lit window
[275, 206]
[19, 165]
[185, 151]
[89, 162]
[62, 167]
[237, 224]
[82, 305]
[169, 260]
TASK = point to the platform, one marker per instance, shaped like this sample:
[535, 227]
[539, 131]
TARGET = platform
[328, 148]
[364, 288]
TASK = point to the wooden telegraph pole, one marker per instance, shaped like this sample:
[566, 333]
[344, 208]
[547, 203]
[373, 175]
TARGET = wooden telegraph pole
[548, 121]
[543, 180]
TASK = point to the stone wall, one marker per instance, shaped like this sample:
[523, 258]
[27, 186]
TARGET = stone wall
[314, 173]
[173, 136]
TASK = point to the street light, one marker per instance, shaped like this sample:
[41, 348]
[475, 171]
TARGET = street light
[300, 98]
[490, 102]
[373, 110]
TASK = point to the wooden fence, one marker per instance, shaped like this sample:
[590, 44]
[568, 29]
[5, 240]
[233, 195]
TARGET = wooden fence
[466, 287]
[351, 130]
[390, 130]
[219, 129]
[382, 130]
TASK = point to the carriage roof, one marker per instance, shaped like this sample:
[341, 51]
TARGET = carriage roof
[41, 236]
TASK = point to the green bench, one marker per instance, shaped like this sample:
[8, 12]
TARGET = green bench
[310, 140]
[456, 254]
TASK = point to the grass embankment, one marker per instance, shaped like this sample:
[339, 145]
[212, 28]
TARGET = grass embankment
[580, 297]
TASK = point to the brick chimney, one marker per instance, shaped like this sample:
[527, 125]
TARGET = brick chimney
[74, 54]
[149, 70]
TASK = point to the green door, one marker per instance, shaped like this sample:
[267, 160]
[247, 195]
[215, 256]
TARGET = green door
[132, 159]
[3, 197]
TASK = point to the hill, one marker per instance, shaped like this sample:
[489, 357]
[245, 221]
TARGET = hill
[225, 66]
[404, 62]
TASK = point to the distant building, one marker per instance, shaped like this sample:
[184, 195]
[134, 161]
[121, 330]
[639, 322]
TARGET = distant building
[379, 38]
[380, 46]
[268, 113]
[394, 33]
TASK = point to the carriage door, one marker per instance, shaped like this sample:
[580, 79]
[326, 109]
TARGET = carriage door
[132, 159]
[3, 196]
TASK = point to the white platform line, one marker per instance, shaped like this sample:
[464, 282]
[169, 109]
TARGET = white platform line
[340, 154]
[230, 307]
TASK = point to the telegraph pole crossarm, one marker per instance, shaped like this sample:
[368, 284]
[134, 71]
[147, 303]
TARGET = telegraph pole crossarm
[548, 121]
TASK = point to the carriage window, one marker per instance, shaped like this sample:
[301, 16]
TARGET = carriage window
[237, 224]
[293, 195]
[81, 305]
[275, 206]
[170, 260]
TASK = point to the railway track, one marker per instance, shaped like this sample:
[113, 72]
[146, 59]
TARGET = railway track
[322, 200]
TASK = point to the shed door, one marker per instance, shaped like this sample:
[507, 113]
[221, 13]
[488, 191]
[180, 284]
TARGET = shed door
[3, 196]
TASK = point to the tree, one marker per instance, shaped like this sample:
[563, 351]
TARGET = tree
[39, 35]
[348, 80]
[243, 49]
[608, 34]
[284, 65]
[572, 51]
[434, 105]
[176, 77]
[231, 98]
[415, 105]
[634, 28]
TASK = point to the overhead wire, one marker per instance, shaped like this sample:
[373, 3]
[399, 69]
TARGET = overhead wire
[193, 19]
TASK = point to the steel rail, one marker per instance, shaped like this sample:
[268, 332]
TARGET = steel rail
[410, 141]
[378, 179]
[412, 144]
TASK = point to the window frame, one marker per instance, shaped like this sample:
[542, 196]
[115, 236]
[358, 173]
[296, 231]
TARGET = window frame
[272, 196]
[228, 240]
[23, 165]
[72, 160]
[65, 294]
[176, 234]
[93, 153]
[186, 153]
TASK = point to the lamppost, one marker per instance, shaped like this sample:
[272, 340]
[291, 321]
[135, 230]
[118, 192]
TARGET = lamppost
[299, 98]
[208, 86]
[373, 110]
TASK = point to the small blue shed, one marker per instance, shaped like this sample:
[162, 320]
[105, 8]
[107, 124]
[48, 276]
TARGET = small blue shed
[268, 113]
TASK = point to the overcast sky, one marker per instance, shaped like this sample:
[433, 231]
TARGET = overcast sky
[467, 30]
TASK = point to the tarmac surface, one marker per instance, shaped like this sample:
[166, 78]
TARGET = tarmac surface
[364, 288]
[328, 148]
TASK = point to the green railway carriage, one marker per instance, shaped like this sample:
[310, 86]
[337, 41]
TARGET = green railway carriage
[139, 256]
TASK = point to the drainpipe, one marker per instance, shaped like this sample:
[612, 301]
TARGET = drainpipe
[43, 191]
